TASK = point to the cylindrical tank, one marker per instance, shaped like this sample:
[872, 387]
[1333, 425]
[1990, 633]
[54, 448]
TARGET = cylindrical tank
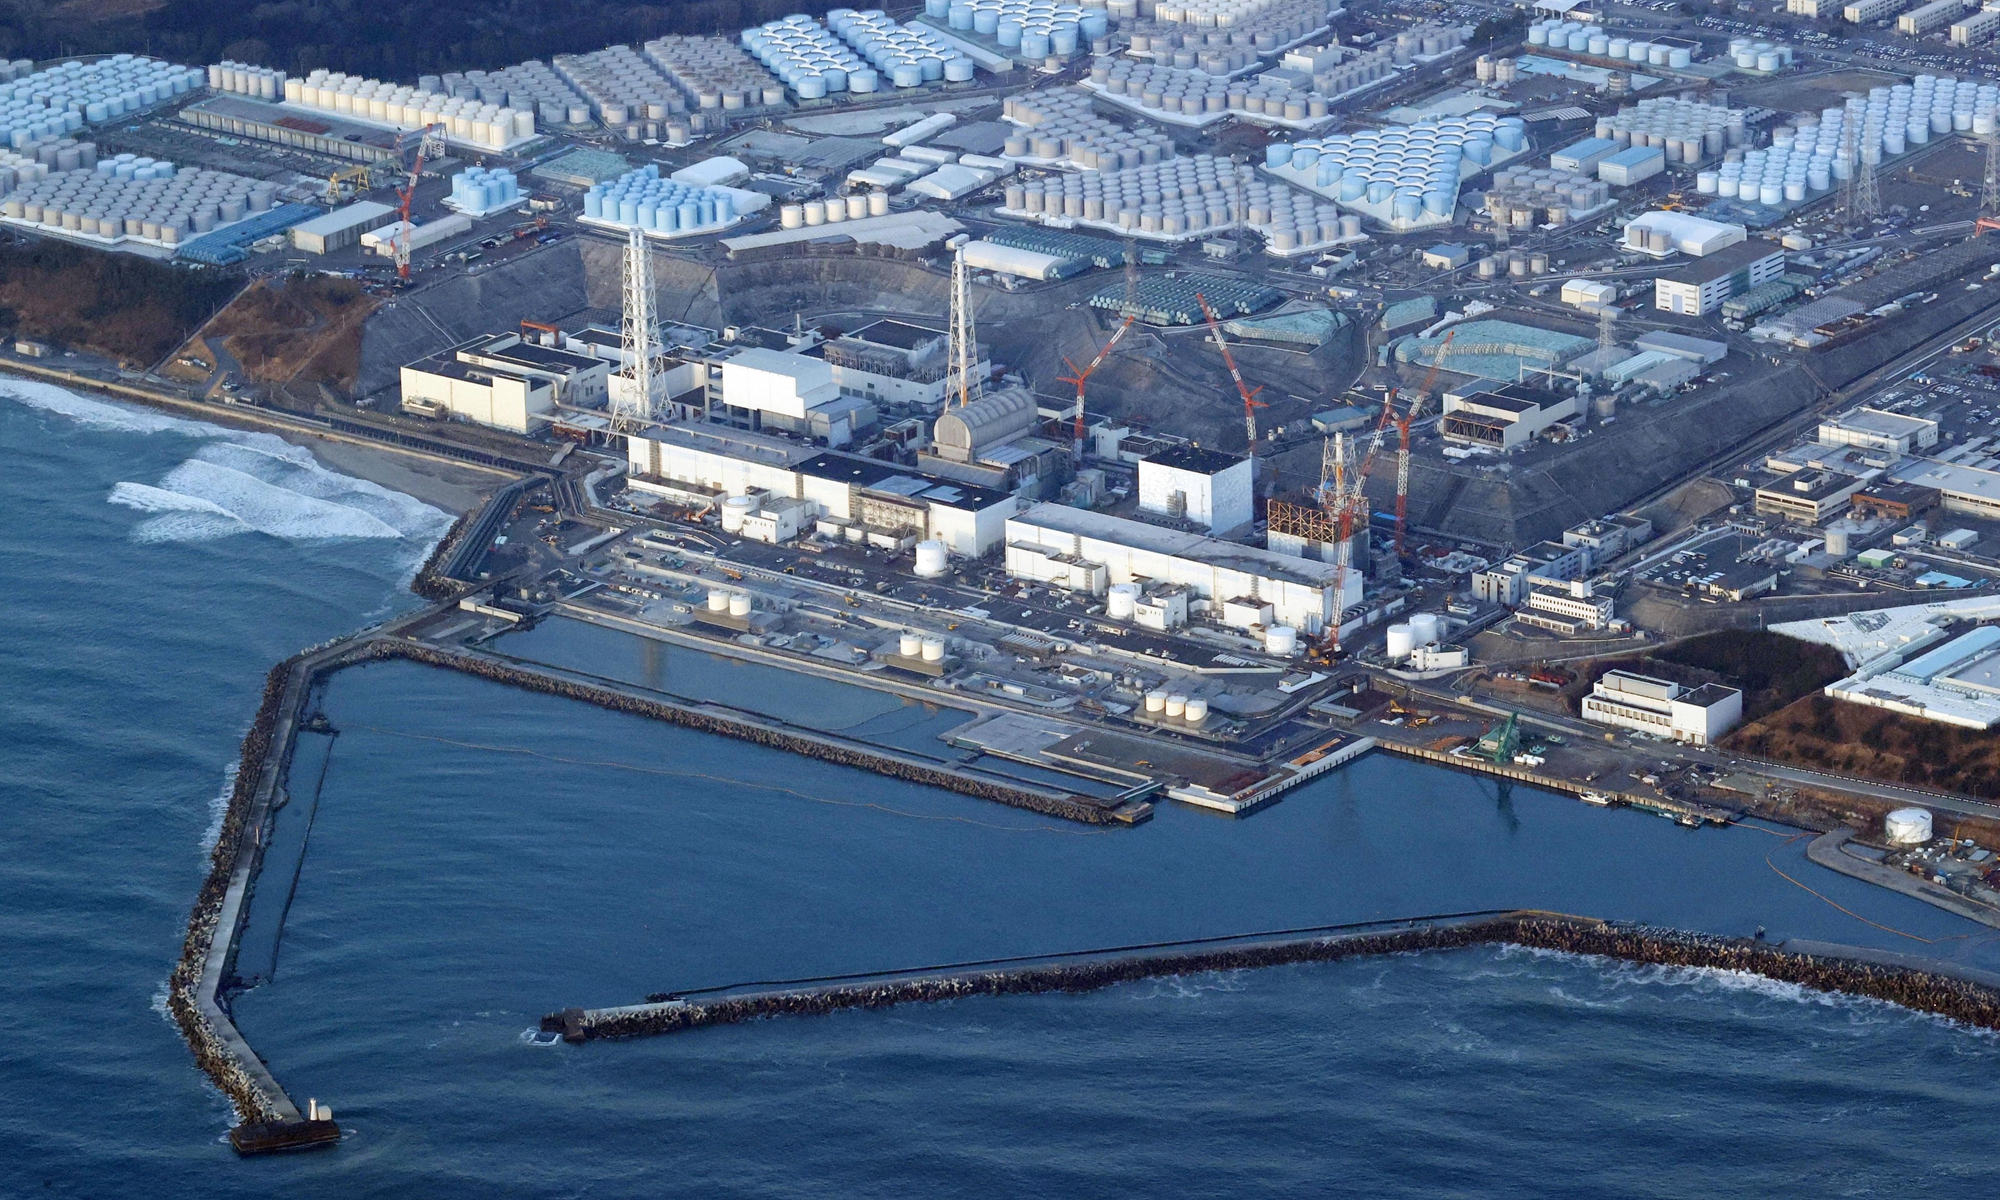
[718, 600]
[910, 645]
[1196, 711]
[1836, 541]
[933, 649]
[734, 509]
[1281, 640]
[1907, 827]
[1122, 601]
[1176, 705]
[739, 604]
[1401, 641]
[932, 560]
[1424, 628]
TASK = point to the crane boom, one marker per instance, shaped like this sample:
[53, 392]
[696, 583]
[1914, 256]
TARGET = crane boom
[431, 147]
[1250, 402]
[1079, 378]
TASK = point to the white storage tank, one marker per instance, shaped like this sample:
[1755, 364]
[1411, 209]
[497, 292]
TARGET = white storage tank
[1156, 702]
[931, 560]
[1836, 542]
[718, 600]
[1197, 710]
[739, 604]
[910, 645]
[734, 509]
[1122, 601]
[933, 649]
[1907, 827]
[1176, 705]
[1424, 629]
[1401, 641]
[1281, 640]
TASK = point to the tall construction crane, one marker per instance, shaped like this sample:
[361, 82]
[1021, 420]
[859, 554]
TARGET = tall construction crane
[1250, 402]
[1403, 470]
[431, 147]
[1079, 378]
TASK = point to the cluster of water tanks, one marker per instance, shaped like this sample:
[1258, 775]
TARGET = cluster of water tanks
[714, 73]
[469, 121]
[642, 198]
[1060, 125]
[37, 106]
[17, 169]
[1523, 198]
[1166, 42]
[1759, 56]
[1401, 174]
[1577, 37]
[904, 55]
[1790, 172]
[722, 600]
[1198, 94]
[1228, 14]
[480, 190]
[1174, 199]
[835, 210]
[532, 86]
[1260, 33]
[1223, 59]
[1162, 705]
[811, 61]
[1423, 629]
[1892, 119]
[621, 86]
[160, 210]
[1427, 41]
[928, 647]
[1496, 70]
[1686, 131]
[1515, 265]
[1036, 29]
[246, 79]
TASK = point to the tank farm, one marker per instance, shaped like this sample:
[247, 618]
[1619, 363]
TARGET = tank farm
[269, 1121]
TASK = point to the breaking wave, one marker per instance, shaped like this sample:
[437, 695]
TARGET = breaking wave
[240, 482]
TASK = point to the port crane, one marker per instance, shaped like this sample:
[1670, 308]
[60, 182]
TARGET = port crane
[431, 147]
[1250, 402]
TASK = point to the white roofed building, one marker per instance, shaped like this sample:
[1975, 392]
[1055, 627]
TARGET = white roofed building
[1662, 234]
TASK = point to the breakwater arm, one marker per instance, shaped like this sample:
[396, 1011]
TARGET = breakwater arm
[1915, 984]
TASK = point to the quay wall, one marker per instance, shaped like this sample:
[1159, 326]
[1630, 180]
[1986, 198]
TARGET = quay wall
[1925, 989]
[1048, 803]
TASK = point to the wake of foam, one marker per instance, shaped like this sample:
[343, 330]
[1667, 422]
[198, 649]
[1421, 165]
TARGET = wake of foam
[101, 414]
[215, 490]
[182, 518]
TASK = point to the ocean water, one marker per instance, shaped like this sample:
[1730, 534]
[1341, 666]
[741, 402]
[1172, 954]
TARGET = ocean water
[481, 856]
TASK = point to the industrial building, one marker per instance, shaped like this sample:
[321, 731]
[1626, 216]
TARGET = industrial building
[844, 496]
[1606, 538]
[1958, 683]
[1089, 552]
[341, 228]
[794, 393]
[503, 382]
[1206, 487]
[893, 362]
[1973, 491]
[990, 442]
[1873, 429]
[1811, 496]
[1930, 17]
[1662, 234]
[328, 134]
[1507, 583]
[1564, 606]
[1700, 287]
[1975, 29]
[1634, 164]
[1502, 416]
[1864, 11]
[1696, 350]
[1588, 293]
[1582, 157]
[1665, 709]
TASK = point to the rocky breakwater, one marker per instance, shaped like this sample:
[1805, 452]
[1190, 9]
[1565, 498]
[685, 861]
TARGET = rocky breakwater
[1930, 991]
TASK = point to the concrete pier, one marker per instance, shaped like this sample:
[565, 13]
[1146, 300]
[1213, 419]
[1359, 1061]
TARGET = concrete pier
[1686, 813]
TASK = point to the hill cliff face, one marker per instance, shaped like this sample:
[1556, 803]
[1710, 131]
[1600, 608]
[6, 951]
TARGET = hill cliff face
[392, 39]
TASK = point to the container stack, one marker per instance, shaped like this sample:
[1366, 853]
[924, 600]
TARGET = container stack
[468, 122]
[161, 209]
[894, 50]
[714, 73]
[1058, 126]
[246, 79]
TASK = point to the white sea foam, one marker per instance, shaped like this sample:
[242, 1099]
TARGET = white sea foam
[240, 481]
[218, 807]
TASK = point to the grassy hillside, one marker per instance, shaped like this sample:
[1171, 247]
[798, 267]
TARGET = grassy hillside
[128, 308]
[305, 328]
[1770, 669]
[1822, 732]
[394, 39]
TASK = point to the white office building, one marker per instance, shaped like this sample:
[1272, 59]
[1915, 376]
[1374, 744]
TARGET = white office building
[1874, 429]
[1088, 552]
[1663, 708]
[503, 381]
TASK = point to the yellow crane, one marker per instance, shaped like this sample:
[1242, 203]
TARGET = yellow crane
[348, 181]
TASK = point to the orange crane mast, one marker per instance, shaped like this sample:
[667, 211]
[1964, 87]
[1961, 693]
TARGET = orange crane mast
[1079, 378]
[1250, 402]
[431, 146]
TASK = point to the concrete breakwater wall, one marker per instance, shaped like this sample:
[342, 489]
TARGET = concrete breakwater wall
[1912, 987]
[825, 748]
[433, 581]
[211, 1053]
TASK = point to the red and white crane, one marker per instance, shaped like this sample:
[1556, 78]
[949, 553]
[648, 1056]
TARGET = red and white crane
[1250, 402]
[431, 147]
